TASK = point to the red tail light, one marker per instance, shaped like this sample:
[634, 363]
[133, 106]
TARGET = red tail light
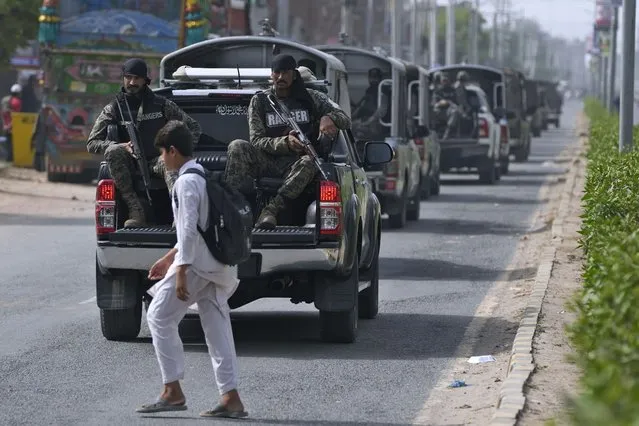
[503, 135]
[330, 204]
[105, 207]
[483, 128]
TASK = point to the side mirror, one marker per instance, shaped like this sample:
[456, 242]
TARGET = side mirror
[377, 153]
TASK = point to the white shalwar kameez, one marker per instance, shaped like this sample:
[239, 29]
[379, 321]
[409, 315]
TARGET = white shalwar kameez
[209, 283]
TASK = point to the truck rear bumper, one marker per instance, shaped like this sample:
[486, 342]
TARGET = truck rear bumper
[266, 261]
[463, 155]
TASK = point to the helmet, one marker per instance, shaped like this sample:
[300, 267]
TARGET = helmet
[462, 76]
[16, 88]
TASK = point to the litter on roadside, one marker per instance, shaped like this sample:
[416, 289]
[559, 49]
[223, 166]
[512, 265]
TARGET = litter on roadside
[458, 384]
[481, 359]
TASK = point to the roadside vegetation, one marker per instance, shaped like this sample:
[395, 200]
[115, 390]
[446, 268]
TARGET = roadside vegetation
[606, 331]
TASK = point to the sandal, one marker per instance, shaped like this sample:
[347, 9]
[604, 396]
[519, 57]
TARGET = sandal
[221, 411]
[161, 405]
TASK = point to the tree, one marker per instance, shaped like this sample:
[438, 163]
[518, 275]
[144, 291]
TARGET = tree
[18, 26]
[462, 33]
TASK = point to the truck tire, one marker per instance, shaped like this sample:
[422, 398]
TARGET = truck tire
[414, 210]
[488, 173]
[435, 183]
[341, 327]
[369, 297]
[121, 324]
[398, 220]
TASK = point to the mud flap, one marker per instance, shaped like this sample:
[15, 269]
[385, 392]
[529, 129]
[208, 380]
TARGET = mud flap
[335, 294]
[117, 290]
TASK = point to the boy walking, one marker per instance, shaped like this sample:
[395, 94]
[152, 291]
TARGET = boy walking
[190, 274]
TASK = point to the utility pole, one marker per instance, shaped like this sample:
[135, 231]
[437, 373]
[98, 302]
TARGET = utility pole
[396, 39]
[432, 29]
[283, 17]
[612, 70]
[627, 76]
[450, 33]
[347, 18]
[473, 49]
[369, 24]
[415, 35]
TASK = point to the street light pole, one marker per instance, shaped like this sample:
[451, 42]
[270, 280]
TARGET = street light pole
[612, 70]
[627, 76]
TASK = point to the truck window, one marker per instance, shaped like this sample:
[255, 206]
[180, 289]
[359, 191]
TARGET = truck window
[221, 123]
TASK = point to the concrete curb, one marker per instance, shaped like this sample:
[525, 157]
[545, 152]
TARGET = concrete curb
[512, 398]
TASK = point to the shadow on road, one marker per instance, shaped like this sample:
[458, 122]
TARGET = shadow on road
[295, 335]
[263, 421]
[480, 198]
[460, 227]
[403, 269]
[35, 220]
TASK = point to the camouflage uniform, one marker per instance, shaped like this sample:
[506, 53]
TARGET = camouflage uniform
[270, 156]
[121, 164]
[451, 113]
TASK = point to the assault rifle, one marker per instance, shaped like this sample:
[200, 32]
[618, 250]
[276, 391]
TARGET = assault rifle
[287, 117]
[138, 153]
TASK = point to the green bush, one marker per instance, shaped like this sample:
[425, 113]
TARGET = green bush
[606, 332]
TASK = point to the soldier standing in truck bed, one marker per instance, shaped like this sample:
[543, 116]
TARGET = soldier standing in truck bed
[150, 112]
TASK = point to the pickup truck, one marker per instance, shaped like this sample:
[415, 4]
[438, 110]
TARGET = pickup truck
[480, 143]
[327, 253]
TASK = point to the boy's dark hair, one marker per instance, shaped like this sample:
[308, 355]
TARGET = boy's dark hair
[176, 134]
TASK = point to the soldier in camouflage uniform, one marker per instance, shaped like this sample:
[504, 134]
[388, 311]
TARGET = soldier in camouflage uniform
[445, 102]
[275, 151]
[150, 113]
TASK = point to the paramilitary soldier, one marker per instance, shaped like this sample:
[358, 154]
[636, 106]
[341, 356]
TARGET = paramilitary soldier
[445, 102]
[150, 113]
[275, 151]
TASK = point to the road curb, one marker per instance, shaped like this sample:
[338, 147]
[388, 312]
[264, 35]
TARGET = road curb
[512, 398]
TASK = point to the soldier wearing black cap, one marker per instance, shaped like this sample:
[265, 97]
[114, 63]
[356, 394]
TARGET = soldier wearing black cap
[150, 112]
[274, 151]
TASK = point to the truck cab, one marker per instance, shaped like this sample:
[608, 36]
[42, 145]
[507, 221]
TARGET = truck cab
[326, 249]
[378, 87]
[479, 141]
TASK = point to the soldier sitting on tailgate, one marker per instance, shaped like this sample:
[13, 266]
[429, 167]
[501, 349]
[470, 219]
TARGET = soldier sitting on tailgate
[150, 112]
[366, 113]
[445, 106]
[275, 151]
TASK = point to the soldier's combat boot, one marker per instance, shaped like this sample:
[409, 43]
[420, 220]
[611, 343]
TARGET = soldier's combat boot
[136, 211]
[268, 216]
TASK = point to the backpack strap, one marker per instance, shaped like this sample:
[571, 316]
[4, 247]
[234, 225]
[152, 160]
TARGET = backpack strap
[195, 171]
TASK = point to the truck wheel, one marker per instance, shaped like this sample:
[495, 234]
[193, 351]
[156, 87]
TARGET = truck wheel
[398, 220]
[369, 297]
[413, 212]
[121, 324]
[520, 155]
[341, 327]
[425, 188]
[435, 183]
[488, 173]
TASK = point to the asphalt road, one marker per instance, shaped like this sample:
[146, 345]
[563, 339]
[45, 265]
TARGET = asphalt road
[56, 367]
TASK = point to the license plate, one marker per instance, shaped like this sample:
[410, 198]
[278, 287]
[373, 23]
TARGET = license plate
[251, 268]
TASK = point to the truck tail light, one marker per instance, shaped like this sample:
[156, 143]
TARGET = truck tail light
[330, 204]
[503, 135]
[483, 128]
[105, 207]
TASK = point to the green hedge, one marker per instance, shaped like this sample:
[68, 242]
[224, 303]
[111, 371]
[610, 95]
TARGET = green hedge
[606, 332]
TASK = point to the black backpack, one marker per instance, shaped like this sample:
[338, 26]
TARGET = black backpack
[229, 233]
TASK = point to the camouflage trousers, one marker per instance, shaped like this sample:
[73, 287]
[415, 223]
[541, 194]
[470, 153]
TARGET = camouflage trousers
[122, 166]
[246, 163]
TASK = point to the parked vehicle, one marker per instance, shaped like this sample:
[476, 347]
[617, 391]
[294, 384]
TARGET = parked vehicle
[397, 184]
[327, 250]
[552, 101]
[518, 124]
[481, 140]
[534, 108]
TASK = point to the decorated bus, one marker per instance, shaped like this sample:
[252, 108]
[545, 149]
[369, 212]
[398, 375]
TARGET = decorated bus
[83, 44]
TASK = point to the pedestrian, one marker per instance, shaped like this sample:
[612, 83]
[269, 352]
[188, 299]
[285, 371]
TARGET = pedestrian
[190, 274]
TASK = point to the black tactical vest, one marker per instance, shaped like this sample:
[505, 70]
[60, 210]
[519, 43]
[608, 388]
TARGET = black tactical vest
[303, 116]
[149, 124]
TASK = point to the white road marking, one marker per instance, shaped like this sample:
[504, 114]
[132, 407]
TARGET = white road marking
[91, 300]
